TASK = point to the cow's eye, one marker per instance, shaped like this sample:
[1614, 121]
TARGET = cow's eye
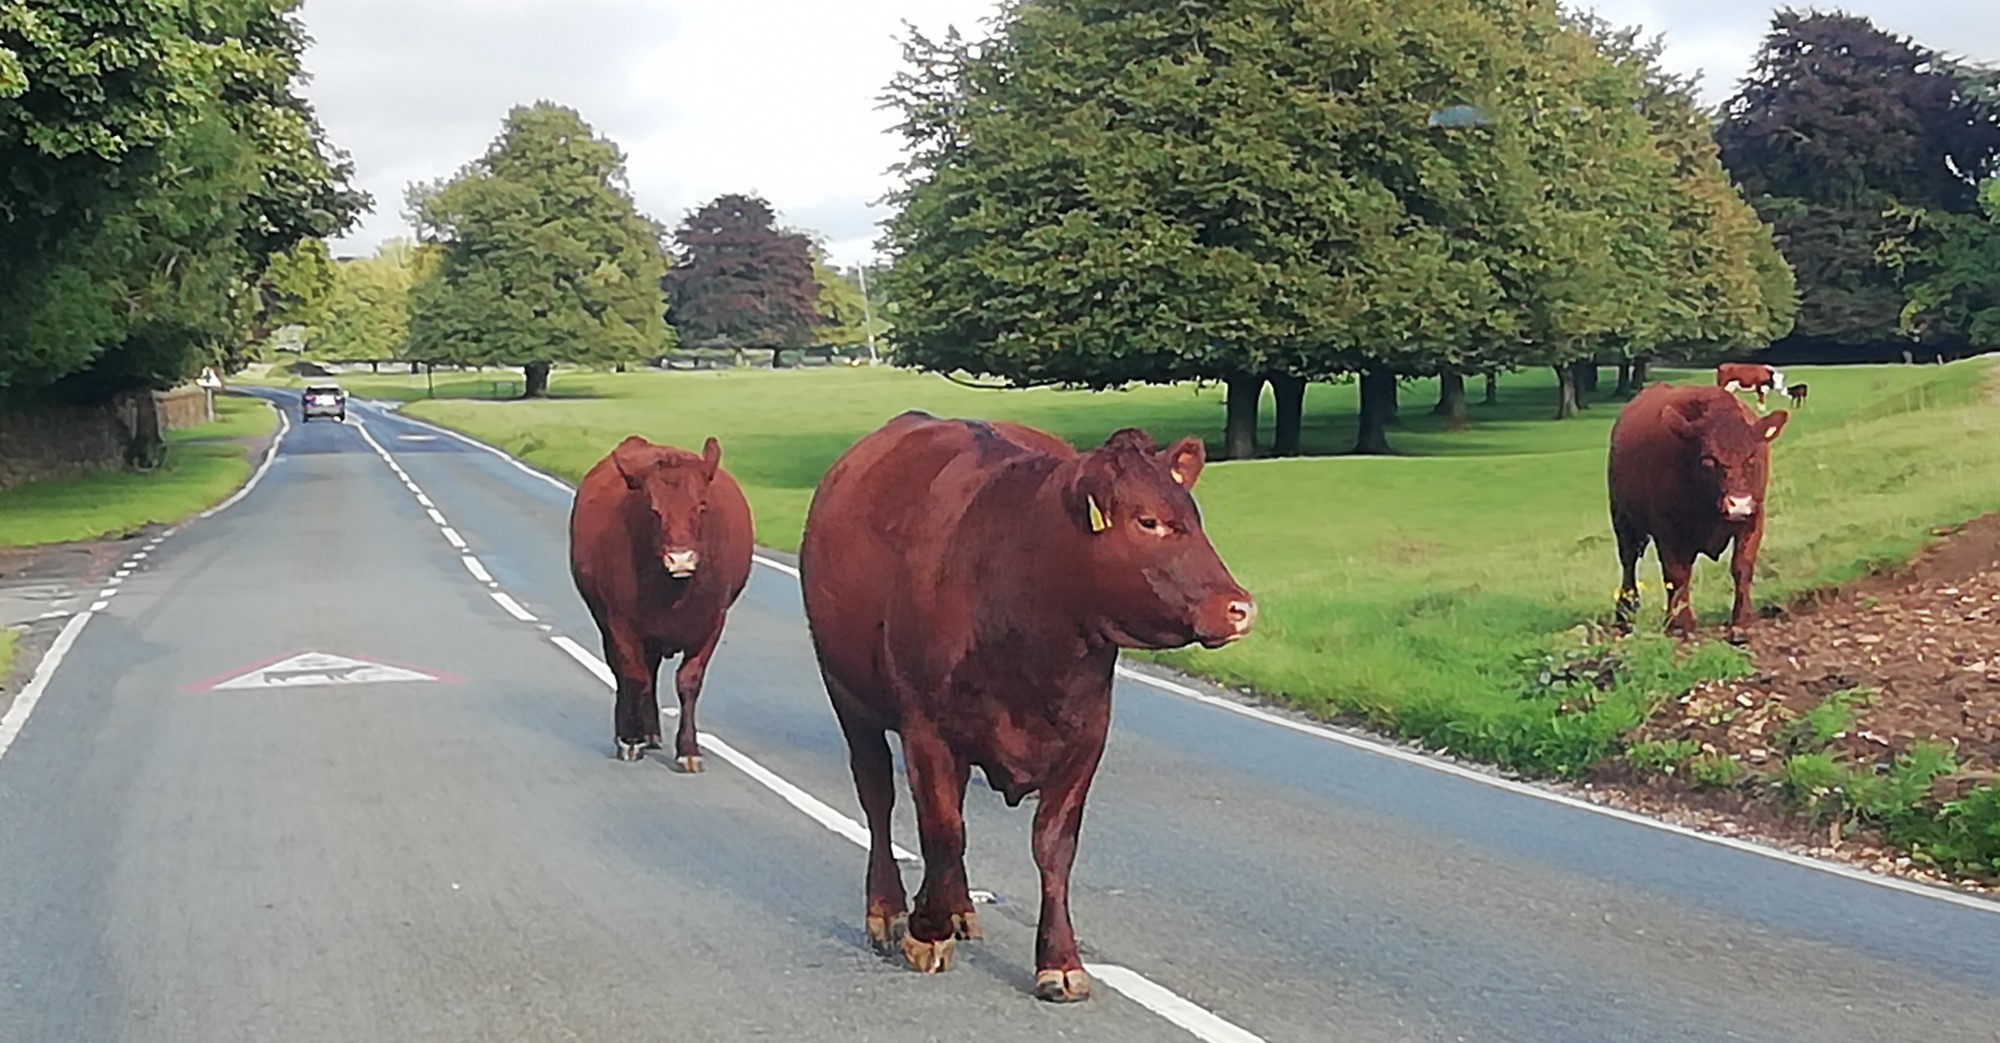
[1150, 524]
[1710, 462]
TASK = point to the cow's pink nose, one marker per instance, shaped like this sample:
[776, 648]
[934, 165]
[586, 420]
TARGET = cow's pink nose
[1740, 506]
[1242, 615]
[680, 562]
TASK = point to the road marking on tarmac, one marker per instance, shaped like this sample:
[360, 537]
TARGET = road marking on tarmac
[1194, 1019]
[1417, 759]
[317, 669]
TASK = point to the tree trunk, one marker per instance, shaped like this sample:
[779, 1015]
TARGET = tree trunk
[1392, 404]
[1239, 436]
[415, 368]
[537, 385]
[1290, 393]
[1451, 400]
[1625, 387]
[375, 366]
[1586, 377]
[145, 445]
[1565, 392]
[1378, 397]
[1492, 390]
[1640, 366]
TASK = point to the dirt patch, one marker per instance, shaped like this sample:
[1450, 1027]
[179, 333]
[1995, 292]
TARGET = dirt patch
[1865, 674]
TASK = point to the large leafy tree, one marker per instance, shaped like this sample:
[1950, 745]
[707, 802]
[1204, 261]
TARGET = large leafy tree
[1838, 122]
[1954, 266]
[844, 317]
[542, 257]
[740, 281]
[366, 317]
[158, 157]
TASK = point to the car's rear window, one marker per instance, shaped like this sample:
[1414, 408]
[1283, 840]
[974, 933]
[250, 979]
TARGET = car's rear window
[323, 390]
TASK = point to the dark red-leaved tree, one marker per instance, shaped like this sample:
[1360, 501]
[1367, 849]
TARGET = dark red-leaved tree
[1837, 121]
[740, 281]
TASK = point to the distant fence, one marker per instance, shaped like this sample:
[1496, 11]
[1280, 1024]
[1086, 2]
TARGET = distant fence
[42, 442]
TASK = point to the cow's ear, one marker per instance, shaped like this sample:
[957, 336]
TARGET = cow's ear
[711, 457]
[1184, 460]
[1086, 502]
[632, 459]
[1768, 428]
[1678, 422]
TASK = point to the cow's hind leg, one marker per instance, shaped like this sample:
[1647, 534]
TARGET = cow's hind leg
[943, 910]
[1632, 542]
[875, 784]
[636, 669]
[687, 686]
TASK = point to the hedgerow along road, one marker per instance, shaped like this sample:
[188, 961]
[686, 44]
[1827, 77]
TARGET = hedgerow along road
[334, 764]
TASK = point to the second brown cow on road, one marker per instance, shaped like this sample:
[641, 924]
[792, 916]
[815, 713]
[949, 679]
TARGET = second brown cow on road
[1687, 472]
[968, 585]
[660, 543]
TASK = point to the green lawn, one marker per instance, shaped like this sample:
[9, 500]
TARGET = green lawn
[199, 473]
[7, 641]
[1420, 593]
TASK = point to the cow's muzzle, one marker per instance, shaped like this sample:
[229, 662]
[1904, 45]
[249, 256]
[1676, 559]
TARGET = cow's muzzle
[1739, 508]
[1226, 619]
[680, 564]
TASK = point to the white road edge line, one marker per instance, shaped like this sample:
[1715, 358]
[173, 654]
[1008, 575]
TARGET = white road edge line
[478, 571]
[17, 713]
[513, 607]
[1199, 1022]
[1409, 757]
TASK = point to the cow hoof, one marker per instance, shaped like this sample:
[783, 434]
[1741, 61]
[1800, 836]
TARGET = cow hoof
[928, 957]
[1062, 986]
[886, 933]
[631, 751]
[966, 925]
[1738, 636]
[688, 765]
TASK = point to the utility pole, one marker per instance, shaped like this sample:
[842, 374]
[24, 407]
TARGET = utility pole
[868, 317]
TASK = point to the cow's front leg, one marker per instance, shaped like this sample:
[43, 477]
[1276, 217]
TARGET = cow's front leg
[1677, 572]
[1742, 566]
[687, 685]
[636, 669]
[1059, 975]
[942, 912]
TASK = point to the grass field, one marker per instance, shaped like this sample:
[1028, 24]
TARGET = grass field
[204, 464]
[1431, 594]
[7, 641]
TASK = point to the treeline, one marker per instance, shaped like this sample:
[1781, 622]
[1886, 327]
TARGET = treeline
[1260, 194]
[158, 159]
[535, 255]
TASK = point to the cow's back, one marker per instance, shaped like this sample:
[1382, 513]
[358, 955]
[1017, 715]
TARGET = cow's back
[882, 526]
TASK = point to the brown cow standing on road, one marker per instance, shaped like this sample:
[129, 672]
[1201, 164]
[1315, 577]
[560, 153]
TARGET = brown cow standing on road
[968, 585]
[1687, 471]
[659, 545]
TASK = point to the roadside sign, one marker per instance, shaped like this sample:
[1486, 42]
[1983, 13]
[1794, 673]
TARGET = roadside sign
[208, 379]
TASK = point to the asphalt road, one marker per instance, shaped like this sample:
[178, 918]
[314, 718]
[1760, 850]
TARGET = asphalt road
[459, 858]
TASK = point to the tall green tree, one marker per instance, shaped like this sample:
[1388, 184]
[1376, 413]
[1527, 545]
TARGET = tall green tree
[1953, 261]
[542, 257]
[366, 317]
[1837, 123]
[158, 157]
[740, 281]
[844, 316]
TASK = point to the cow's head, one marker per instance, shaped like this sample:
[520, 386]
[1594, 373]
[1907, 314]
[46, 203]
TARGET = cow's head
[1154, 580]
[1732, 451]
[675, 487]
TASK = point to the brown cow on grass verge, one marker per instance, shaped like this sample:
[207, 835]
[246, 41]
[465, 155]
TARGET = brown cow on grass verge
[1797, 393]
[1687, 471]
[1749, 376]
[968, 585]
[659, 545]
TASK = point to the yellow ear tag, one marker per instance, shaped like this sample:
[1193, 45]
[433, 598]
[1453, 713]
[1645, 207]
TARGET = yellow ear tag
[1098, 523]
[1178, 480]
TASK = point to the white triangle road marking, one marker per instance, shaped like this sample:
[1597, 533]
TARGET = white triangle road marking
[309, 669]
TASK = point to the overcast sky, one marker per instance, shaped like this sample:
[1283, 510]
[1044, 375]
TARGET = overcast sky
[772, 96]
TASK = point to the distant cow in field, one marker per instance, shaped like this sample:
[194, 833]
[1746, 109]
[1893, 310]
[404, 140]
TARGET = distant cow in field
[968, 585]
[1687, 471]
[659, 546]
[1797, 393]
[1746, 376]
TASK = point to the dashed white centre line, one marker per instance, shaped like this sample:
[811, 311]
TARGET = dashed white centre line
[436, 517]
[425, 500]
[478, 571]
[451, 536]
[513, 607]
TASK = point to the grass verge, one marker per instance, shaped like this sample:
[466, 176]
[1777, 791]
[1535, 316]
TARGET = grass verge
[8, 638]
[204, 465]
[1446, 594]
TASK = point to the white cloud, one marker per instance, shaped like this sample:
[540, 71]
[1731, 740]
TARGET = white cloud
[773, 96]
